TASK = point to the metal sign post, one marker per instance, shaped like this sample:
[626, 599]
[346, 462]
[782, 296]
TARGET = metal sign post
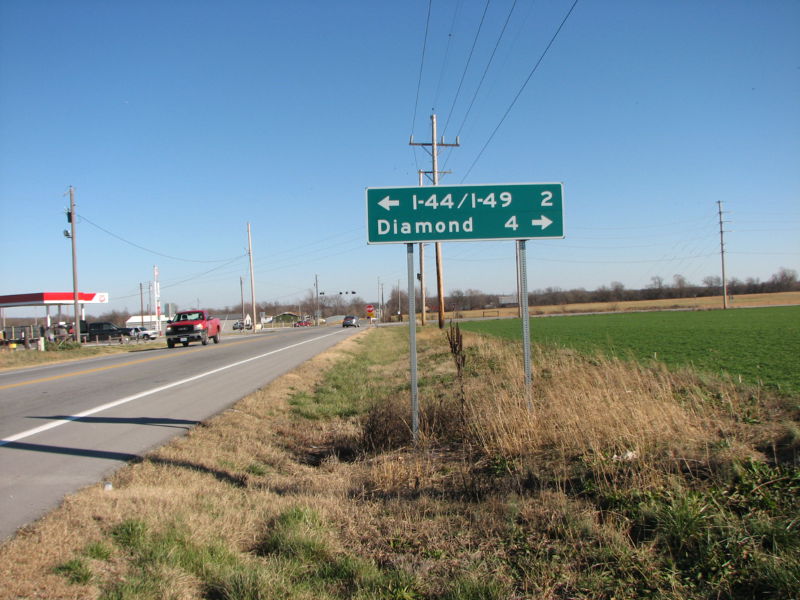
[465, 213]
[522, 276]
[412, 342]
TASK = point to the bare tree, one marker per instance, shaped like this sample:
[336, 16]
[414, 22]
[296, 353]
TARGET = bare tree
[617, 291]
[680, 285]
[456, 300]
[783, 281]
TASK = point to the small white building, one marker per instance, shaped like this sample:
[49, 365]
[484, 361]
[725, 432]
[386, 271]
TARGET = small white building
[149, 321]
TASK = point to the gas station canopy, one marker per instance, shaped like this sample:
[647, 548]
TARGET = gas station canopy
[52, 298]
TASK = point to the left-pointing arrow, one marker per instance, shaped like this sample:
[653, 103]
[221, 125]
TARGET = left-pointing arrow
[544, 222]
[388, 203]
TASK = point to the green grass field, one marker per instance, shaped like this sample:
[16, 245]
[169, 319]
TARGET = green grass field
[762, 345]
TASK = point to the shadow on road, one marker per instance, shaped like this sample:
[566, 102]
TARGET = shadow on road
[160, 422]
[239, 481]
[104, 454]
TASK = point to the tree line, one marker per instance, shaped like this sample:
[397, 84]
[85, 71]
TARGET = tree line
[784, 280]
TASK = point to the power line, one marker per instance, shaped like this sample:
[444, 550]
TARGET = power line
[645, 226]
[135, 245]
[767, 253]
[466, 66]
[198, 275]
[519, 93]
[446, 54]
[486, 70]
[419, 81]
[593, 262]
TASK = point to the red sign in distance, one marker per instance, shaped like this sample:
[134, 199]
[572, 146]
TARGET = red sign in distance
[370, 310]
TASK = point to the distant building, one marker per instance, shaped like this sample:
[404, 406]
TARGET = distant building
[170, 308]
[508, 301]
[149, 321]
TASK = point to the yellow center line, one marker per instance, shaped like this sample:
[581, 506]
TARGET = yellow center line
[109, 367]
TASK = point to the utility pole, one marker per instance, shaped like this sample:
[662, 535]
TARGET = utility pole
[76, 304]
[252, 276]
[141, 304]
[241, 289]
[316, 299]
[722, 256]
[434, 174]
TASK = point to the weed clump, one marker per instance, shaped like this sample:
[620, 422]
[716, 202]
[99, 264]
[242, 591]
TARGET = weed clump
[668, 483]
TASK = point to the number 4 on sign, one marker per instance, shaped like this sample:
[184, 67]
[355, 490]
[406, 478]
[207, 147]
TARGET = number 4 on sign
[512, 223]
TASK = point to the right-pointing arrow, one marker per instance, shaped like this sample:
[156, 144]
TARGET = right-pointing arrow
[544, 222]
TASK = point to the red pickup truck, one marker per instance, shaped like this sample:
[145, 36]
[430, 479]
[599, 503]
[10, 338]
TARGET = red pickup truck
[192, 326]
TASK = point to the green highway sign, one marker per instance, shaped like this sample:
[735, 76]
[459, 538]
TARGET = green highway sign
[462, 213]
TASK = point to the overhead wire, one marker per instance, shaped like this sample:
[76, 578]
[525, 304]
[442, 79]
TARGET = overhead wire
[446, 53]
[198, 275]
[647, 226]
[582, 261]
[486, 69]
[521, 89]
[135, 245]
[306, 261]
[466, 67]
[419, 80]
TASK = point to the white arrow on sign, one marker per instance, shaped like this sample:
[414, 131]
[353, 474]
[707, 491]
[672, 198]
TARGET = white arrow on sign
[388, 203]
[544, 222]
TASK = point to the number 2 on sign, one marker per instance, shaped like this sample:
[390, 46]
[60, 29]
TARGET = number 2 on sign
[547, 198]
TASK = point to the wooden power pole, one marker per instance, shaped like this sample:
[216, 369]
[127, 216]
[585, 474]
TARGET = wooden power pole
[434, 175]
[252, 276]
[72, 219]
[722, 256]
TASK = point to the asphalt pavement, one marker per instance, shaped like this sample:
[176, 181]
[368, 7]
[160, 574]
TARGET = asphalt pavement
[69, 425]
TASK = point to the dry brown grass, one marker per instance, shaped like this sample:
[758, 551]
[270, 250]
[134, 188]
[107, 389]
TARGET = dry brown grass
[483, 470]
[596, 415]
[704, 303]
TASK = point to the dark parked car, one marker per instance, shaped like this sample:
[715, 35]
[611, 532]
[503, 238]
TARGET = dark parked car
[104, 330]
[350, 321]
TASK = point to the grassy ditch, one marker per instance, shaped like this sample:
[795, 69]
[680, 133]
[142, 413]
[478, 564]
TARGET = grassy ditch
[622, 480]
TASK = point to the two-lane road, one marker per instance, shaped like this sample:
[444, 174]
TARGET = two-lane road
[65, 426]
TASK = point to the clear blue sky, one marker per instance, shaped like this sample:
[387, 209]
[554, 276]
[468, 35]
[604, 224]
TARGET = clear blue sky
[178, 122]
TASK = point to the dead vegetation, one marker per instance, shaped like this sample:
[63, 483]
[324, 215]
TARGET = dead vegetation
[617, 481]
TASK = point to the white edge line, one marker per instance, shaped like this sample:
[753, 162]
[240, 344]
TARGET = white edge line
[97, 409]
